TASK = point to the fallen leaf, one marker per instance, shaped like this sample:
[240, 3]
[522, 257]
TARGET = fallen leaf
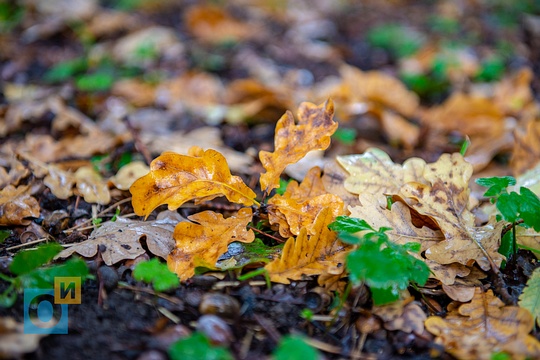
[59, 182]
[16, 205]
[92, 186]
[309, 255]
[300, 204]
[410, 319]
[445, 201]
[121, 240]
[374, 88]
[528, 237]
[374, 172]
[467, 114]
[202, 242]
[293, 141]
[135, 91]
[334, 179]
[526, 152]
[14, 343]
[485, 326]
[398, 130]
[214, 24]
[175, 179]
[513, 93]
[530, 297]
[180, 142]
[126, 176]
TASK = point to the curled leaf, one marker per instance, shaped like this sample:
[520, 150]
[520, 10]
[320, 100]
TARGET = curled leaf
[202, 242]
[293, 141]
[175, 179]
[309, 255]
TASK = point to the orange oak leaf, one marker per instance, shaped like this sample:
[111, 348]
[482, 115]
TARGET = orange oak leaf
[299, 205]
[484, 326]
[203, 242]
[309, 255]
[175, 179]
[293, 141]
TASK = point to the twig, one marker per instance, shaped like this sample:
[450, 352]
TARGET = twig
[268, 327]
[78, 227]
[28, 243]
[281, 241]
[152, 292]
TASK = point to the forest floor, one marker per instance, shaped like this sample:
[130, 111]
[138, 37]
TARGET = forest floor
[90, 87]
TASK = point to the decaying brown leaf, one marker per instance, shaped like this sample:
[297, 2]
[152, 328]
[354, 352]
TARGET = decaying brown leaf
[467, 114]
[91, 186]
[14, 342]
[175, 179]
[213, 24]
[445, 201]
[293, 141]
[16, 205]
[308, 255]
[202, 242]
[300, 204]
[526, 152]
[485, 326]
[409, 318]
[126, 176]
[121, 239]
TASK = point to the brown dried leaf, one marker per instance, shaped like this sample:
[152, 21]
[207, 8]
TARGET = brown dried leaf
[121, 240]
[293, 141]
[214, 24]
[526, 153]
[175, 179]
[92, 186]
[14, 341]
[467, 114]
[375, 88]
[202, 243]
[16, 205]
[305, 256]
[410, 319]
[485, 326]
[126, 176]
[445, 201]
[300, 204]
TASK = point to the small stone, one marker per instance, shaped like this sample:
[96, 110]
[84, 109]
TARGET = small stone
[215, 329]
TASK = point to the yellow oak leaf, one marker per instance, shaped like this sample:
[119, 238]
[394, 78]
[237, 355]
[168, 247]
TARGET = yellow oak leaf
[309, 255]
[299, 205]
[293, 141]
[202, 242]
[445, 201]
[175, 179]
[375, 173]
[484, 326]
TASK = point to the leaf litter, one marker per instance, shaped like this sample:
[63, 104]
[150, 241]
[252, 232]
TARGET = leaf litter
[71, 151]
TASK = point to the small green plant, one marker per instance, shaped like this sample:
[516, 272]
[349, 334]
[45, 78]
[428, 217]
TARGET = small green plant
[4, 234]
[345, 136]
[491, 69]
[295, 347]
[198, 347]
[398, 40]
[157, 273]
[30, 272]
[387, 268]
[519, 209]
